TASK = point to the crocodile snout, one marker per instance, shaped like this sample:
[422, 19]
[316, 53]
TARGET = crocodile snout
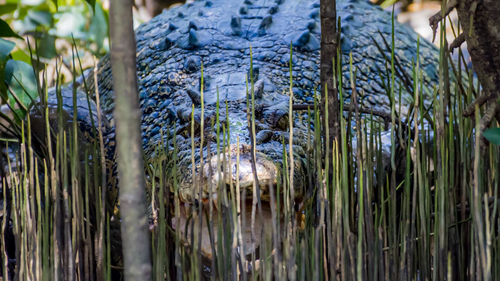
[235, 167]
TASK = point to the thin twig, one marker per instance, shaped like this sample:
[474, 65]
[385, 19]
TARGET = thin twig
[348, 107]
[457, 42]
[479, 101]
[436, 18]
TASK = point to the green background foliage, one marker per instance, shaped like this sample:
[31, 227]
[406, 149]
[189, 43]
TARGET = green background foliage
[35, 32]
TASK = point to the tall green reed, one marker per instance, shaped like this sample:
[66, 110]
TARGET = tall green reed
[429, 214]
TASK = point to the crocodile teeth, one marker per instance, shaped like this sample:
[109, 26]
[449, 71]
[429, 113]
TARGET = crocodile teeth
[236, 25]
[215, 201]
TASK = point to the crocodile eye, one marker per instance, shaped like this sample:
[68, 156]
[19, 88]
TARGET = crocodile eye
[186, 118]
[282, 123]
[185, 131]
[279, 119]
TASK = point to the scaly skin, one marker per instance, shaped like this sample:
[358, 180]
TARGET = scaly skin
[218, 34]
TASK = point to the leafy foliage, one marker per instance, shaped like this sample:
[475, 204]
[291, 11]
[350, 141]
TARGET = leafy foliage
[21, 78]
[51, 28]
[6, 31]
[19, 86]
[92, 4]
[493, 135]
[55, 23]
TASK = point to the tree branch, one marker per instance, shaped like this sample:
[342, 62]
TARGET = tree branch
[135, 226]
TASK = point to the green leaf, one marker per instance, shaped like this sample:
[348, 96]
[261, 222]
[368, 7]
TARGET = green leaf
[20, 77]
[3, 87]
[32, 2]
[493, 135]
[6, 31]
[98, 29]
[20, 55]
[387, 3]
[41, 17]
[72, 21]
[47, 46]
[6, 48]
[92, 4]
[35, 20]
[7, 8]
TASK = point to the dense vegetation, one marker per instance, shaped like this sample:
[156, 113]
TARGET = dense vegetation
[435, 216]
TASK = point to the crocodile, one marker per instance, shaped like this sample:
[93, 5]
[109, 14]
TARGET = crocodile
[230, 44]
[222, 40]
[208, 53]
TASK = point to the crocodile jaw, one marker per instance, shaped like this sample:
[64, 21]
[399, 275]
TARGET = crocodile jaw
[238, 170]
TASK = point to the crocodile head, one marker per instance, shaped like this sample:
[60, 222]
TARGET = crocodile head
[225, 157]
[213, 39]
